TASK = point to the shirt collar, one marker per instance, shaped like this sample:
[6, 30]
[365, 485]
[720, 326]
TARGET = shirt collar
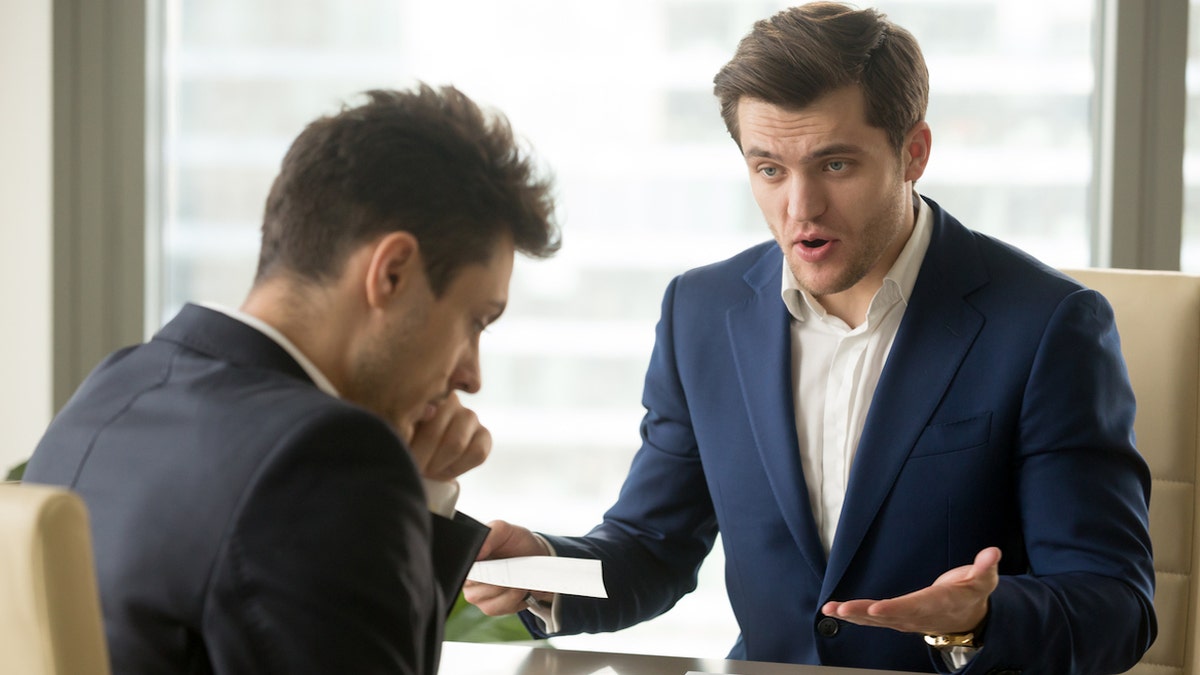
[900, 279]
[270, 331]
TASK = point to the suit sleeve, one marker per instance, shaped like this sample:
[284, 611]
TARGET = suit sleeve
[326, 566]
[1085, 604]
[653, 540]
[456, 544]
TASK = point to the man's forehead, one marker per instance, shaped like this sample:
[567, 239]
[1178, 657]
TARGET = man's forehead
[841, 103]
[767, 122]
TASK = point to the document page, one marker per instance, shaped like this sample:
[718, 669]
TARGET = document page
[551, 574]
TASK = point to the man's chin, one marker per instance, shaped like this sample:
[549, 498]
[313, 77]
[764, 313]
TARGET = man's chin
[405, 431]
[821, 284]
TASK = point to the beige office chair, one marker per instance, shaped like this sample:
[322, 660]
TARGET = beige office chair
[50, 621]
[1158, 316]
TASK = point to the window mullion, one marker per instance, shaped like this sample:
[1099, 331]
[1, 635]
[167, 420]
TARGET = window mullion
[1139, 144]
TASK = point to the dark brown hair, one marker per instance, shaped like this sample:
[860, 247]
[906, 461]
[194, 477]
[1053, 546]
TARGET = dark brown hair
[427, 161]
[800, 54]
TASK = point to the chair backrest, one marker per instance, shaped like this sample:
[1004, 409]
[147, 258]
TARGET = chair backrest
[1158, 317]
[50, 622]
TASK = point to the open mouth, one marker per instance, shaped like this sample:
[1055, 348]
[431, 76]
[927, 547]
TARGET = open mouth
[814, 243]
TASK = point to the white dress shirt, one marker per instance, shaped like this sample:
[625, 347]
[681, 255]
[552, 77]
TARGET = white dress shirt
[835, 369]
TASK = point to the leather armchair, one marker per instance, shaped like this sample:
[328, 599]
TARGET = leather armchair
[1158, 317]
[50, 621]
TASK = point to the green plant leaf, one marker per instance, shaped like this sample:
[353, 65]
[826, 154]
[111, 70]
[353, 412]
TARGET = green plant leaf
[467, 624]
[16, 472]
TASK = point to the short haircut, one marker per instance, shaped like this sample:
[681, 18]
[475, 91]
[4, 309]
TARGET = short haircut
[428, 161]
[800, 54]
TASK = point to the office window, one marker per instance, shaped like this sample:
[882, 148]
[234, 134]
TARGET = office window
[615, 97]
[1190, 249]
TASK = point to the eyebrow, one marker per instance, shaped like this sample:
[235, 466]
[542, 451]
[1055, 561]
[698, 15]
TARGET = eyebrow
[827, 151]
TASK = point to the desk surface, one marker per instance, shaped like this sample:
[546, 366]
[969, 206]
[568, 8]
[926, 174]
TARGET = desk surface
[465, 658]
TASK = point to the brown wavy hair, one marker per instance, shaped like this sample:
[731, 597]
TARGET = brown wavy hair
[800, 54]
[427, 161]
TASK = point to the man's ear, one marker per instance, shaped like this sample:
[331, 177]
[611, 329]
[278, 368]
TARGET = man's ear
[395, 259]
[915, 154]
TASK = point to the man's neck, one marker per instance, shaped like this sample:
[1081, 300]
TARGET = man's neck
[852, 304]
[309, 317]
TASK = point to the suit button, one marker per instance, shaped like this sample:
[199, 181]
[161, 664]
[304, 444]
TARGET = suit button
[828, 627]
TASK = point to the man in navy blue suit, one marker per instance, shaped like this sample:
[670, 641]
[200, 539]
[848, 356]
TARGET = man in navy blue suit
[272, 488]
[915, 440]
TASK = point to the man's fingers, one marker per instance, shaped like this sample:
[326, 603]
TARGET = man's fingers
[475, 455]
[450, 442]
[427, 434]
[988, 561]
[464, 445]
[510, 541]
[955, 602]
[847, 608]
[429, 429]
[494, 600]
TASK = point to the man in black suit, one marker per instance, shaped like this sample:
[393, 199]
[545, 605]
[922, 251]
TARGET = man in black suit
[255, 477]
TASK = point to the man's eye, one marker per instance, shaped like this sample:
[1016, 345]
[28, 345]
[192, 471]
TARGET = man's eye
[836, 165]
[769, 171]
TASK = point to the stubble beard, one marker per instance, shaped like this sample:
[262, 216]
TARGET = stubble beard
[376, 370]
[889, 221]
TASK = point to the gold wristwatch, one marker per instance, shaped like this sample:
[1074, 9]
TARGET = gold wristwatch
[950, 640]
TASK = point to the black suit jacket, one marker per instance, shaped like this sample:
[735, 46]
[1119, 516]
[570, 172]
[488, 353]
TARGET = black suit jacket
[243, 520]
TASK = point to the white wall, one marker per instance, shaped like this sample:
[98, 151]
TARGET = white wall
[25, 226]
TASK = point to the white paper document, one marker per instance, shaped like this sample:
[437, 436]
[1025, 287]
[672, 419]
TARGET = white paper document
[570, 576]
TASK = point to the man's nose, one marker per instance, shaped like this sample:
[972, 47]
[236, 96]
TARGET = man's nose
[467, 376]
[805, 199]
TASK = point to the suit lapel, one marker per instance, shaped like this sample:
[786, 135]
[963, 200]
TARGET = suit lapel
[758, 331]
[938, 329]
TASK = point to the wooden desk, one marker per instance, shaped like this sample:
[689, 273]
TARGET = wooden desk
[465, 658]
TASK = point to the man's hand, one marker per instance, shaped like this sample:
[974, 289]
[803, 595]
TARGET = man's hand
[504, 541]
[449, 442]
[957, 601]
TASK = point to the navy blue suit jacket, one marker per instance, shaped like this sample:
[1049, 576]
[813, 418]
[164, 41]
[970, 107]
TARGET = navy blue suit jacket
[1003, 417]
[246, 522]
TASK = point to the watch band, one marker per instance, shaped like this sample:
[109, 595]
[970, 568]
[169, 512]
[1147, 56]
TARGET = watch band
[950, 640]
